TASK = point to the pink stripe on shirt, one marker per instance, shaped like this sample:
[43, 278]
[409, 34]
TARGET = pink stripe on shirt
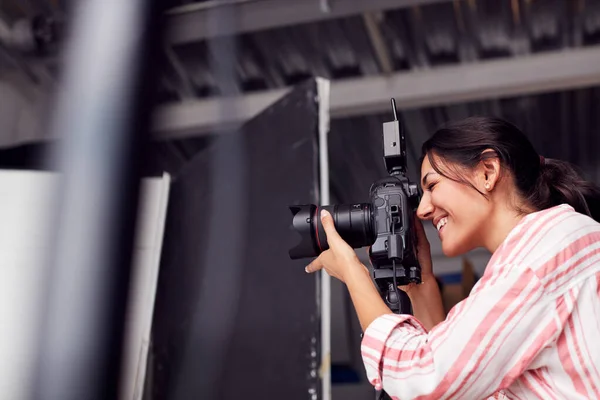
[519, 331]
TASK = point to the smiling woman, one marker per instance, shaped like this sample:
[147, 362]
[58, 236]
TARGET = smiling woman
[525, 329]
[507, 177]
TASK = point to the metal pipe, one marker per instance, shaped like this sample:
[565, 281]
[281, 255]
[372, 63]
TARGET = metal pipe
[102, 115]
[323, 90]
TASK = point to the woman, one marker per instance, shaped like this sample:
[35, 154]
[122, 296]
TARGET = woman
[530, 329]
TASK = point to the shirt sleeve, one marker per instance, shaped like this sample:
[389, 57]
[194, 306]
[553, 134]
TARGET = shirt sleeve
[484, 344]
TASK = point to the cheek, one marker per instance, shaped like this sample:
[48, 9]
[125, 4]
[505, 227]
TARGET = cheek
[458, 200]
[468, 212]
[471, 207]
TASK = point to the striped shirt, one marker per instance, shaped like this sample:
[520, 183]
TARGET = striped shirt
[530, 328]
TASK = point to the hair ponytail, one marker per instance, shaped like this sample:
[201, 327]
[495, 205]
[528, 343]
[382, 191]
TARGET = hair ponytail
[543, 183]
[560, 182]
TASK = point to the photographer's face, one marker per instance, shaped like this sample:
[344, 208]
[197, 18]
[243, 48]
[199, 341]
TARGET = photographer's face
[458, 212]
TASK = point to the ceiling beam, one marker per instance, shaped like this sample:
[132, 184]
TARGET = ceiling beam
[194, 118]
[569, 69]
[193, 24]
[378, 42]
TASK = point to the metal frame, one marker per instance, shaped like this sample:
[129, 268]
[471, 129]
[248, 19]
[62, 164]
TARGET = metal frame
[323, 90]
[545, 72]
[190, 24]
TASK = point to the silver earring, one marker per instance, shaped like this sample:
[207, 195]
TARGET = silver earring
[487, 186]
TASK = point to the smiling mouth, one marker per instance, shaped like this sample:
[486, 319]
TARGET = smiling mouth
[441, 223]
[441, 230]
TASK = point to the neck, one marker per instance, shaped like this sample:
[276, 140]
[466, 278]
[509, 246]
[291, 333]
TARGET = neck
[503, 220]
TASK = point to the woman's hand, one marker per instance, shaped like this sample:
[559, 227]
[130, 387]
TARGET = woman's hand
[340, 258]
[341, 262]
[423, 255]
[425, 298]
[423, 248]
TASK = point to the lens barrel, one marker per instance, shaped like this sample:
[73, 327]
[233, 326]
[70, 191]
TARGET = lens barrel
[353, 222]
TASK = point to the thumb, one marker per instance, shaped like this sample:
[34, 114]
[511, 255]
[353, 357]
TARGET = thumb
[329, 226]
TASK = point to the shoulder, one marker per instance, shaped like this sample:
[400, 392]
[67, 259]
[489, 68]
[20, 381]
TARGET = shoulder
[557, 244]
[562, 224]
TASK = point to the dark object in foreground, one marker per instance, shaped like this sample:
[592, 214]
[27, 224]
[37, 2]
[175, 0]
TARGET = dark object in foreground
[385, 223]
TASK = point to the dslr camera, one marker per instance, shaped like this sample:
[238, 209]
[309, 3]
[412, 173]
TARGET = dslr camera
[385, 223]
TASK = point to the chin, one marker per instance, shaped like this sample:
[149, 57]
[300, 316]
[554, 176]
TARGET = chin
[453, 249]
[451, 253]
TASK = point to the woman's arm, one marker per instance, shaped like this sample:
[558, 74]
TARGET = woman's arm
[484, 344]
[366, 299]
[426, 300]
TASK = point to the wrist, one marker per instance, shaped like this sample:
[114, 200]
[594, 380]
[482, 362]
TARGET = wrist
[357, 270]
[428, 283]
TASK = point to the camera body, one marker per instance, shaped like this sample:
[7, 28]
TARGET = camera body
[385, 223]
[393, 253]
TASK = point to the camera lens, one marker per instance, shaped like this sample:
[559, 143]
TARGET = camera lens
[354, 223]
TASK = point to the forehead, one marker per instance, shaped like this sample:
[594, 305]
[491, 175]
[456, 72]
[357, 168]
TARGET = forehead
[426, 166]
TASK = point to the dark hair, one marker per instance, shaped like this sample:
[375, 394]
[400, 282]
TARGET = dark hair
[542, 183]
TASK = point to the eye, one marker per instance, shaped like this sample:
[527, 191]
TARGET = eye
[431, 185]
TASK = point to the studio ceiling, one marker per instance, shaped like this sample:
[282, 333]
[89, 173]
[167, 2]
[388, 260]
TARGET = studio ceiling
[530, 61]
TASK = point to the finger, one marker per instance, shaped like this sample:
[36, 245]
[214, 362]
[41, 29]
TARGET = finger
[329, 227]
[368, 249]
[420, 230]
[314, 266]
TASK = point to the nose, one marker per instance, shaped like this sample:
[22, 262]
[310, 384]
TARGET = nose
[425, 209]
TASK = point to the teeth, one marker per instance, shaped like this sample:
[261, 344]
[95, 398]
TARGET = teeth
[441, 223]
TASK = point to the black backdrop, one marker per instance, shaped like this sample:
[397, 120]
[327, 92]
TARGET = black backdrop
[234, 316]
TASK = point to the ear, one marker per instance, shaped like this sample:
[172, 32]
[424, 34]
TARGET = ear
[488, 171]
